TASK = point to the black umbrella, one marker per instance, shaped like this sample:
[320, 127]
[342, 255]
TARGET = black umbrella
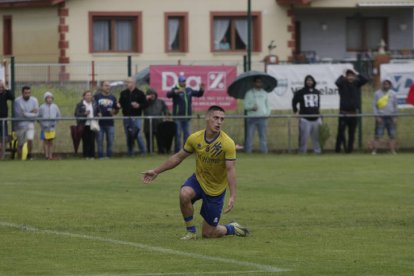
[244, 82]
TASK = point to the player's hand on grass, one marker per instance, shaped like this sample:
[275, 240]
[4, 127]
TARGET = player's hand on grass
[230, 205]
[149, 176]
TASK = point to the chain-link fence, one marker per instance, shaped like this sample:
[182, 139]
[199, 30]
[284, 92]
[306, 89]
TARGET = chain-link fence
[282, 134]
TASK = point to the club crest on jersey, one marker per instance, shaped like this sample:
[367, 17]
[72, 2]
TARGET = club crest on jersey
[217, 149]
[208, 148]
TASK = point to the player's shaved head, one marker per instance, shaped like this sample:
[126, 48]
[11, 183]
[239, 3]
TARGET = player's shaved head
[215, 108]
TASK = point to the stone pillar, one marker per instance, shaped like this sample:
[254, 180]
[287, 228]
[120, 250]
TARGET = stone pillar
[63, 44]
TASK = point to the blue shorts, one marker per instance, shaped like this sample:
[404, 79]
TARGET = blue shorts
[212, 205]
[387, 123]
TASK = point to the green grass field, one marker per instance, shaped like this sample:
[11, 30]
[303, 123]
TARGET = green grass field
[308, 215]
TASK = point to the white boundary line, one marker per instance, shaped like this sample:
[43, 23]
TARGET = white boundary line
[261, 267]
[185, 273]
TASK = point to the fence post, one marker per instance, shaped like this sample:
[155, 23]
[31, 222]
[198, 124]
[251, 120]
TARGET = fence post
[289, 134]
[245, 111]
[150, 135]
[3, 138]
[129, 66]
[12, 84]
[6, 73]
[359, 69]
[93, 81]
[48, 74]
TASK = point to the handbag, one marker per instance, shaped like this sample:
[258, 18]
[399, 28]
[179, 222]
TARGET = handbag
[383, 101]
[95, 125]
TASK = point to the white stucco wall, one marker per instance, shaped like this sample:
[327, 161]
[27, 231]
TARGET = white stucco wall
[274, 27]
[35, 34]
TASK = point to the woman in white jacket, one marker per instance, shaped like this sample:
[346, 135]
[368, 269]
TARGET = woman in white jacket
[48, 110]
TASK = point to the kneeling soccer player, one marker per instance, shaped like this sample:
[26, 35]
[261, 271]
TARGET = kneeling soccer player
[215, 170]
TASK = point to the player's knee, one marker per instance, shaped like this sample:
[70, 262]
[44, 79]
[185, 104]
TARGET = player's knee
[185, 196]
[208, 233]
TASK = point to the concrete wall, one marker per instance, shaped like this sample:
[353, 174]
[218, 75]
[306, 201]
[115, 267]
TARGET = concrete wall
[35, 34]
[332, 42]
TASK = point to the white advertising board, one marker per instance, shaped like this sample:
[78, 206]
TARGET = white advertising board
[292, 77]
[401, 77]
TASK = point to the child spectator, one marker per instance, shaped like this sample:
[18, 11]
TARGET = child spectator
[48, 110]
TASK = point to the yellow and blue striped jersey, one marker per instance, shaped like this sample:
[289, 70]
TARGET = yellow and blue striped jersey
[210, 156]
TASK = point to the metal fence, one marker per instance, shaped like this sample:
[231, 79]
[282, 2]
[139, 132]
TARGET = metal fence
[282, 134]
[86, 75]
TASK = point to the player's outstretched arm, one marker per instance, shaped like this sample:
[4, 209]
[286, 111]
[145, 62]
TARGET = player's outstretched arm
[149, 176]
[172, 162]
[231, 178]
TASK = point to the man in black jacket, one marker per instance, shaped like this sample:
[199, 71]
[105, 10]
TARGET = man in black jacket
[5, 95]
[349, 88]
[133, 101]
[309, 100]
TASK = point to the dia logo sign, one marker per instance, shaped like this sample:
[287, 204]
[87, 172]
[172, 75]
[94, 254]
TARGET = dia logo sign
[217, 81]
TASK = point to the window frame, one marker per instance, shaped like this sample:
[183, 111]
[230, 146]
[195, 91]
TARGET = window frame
[256, 30]
[362, 26]
[113, 16]
[183, 17]
[7, 35]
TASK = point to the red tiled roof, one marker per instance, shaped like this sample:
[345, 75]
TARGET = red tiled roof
[28, 3]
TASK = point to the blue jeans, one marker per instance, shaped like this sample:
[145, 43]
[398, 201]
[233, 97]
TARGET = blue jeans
[109, 132]
[183, 126]
[131, 140]
[261, 125]
[387, 122]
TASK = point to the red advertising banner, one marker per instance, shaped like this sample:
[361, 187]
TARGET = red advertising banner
[216, 80]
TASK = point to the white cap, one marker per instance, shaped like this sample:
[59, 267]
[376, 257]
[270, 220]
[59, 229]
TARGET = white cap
[47, 94]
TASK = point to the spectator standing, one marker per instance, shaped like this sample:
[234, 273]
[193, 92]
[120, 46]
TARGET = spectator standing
[26, 109]
[48, 110]
[85, 110]
[309, 100]
[5, 95]
[181, 96]
[349, 89]
[133, 101]
[385, 106]
[107, 107]
[256, 104]
[156, 107]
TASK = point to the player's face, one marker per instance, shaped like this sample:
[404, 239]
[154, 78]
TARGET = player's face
[214, 121]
